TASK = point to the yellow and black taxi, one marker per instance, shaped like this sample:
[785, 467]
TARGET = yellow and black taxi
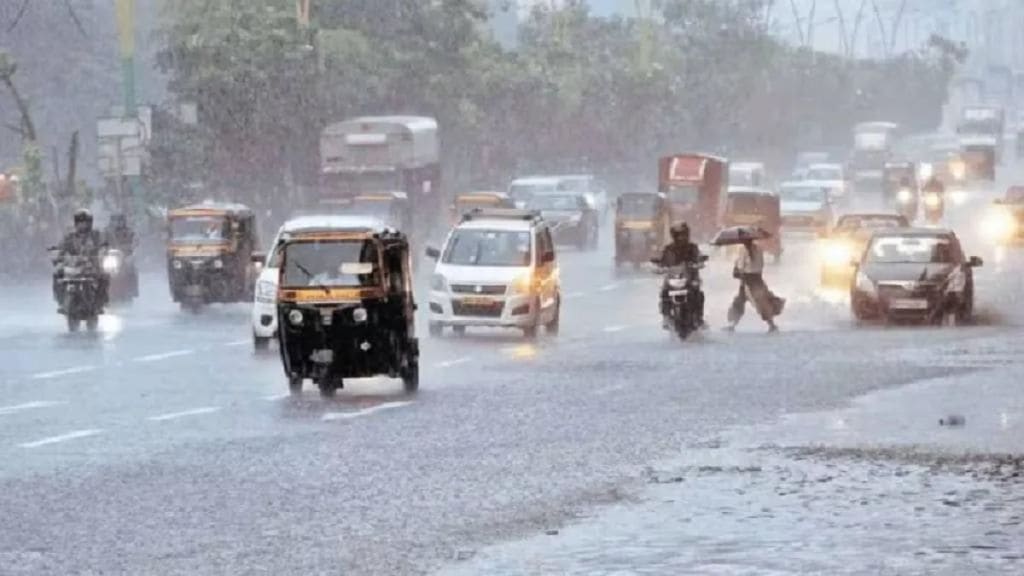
[845, 243]
[345, 306]
[642, 222]
[211, 254]
[481, 199]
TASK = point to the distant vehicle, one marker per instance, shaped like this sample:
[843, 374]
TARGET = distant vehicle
[384, 153]
[571, 217]
[873, 144]
[748, 206]
[847, 240]
[749, 174]
[987, 123]
[901, 188]
[829, 174]
[391, 208]
[914, 274]
[806, 205]
[469, 201]
[522, 189]
[696, 186]
[264, 310]
[1004, 225]
[588, 185]
[211, 254]
[641, 227]
[979, 155]
[498, 269]
[804, 161]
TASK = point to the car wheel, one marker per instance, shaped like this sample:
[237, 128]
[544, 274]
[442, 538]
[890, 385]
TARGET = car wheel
[554, 324]
[459, 331]
[435, 329]
[411, 378]
[259, 343]
[295, 385]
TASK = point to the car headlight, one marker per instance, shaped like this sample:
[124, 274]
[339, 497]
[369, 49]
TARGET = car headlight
[932, 200]
[1000, 225]
[836, 254]
[295, 317]
[359, 314]
[439, 283]
[522, 285]
[904, 196]
[266, 291]
[111, 264]
[864, 284]
[178, 264]
[957, 282]
[958, 197]
[217, 264]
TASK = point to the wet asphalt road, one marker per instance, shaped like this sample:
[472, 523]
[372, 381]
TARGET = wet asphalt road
[164, 445]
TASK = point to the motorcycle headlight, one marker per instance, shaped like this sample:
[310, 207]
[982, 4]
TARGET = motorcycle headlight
[836, 254]
[932, 200]
[178, 264]
[359, 315]
[217, 264]
[439, 283]
[295, 317]
[864, 284]
[904, 196]
[677, 283]
[266, 291]
[111, 263]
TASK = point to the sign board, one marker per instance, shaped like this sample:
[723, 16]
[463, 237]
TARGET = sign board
[118, 127]
[684, 169]
[979, 114]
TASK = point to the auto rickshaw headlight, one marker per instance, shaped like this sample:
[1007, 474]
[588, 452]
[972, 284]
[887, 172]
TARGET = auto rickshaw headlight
[359, 315]
[218, 264]
[904, 196]
[295, 317]
[178, 264]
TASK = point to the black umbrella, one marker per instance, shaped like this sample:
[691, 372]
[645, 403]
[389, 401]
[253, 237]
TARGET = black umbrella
[740, 235]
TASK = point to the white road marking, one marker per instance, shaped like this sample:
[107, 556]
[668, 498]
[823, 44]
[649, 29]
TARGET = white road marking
[331, 416]
[4, 410]
[276, 397]
[183, 414]
[61, 438]
[612, 329]
[65, 372]
[163, 356]
[573, 295]
[245, 342]
[609, 287]
[455, 362]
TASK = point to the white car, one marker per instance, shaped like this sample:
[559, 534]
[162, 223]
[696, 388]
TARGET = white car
[521, 190]
[497, 269]
[264, 310]
[828, 175]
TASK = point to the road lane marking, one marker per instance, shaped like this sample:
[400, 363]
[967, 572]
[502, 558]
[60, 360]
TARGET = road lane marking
[62, 438]
[276, 397]
[245, 342]
[65, 372]
[455, 362]
[573, 295]
[331, 416]
[183, 414]
[4, 410]
[163, 356]
[609, 287]
[613, 329]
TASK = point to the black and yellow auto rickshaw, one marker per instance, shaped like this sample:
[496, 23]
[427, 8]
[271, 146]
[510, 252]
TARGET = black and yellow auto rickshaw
[746, 206]
[211, 254]
[642, 222]
[345, 307]
[482, 199]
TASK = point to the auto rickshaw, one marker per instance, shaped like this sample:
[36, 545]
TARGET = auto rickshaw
[211, 254]
[345, 306]
[695, 185]
[756, 207]
[484, 199]
[391, 208]
[642, 223]
[901, 188]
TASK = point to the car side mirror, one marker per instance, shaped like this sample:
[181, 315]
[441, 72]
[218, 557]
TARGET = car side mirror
[975, 262]
[433, 253]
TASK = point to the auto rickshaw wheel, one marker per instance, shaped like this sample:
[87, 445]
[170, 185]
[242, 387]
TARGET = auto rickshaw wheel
[72, 323]
[260, 344]
[295, 385]
[411, 377]
[328, 387]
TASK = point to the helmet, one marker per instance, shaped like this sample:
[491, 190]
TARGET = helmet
[83, 216]
[680, 231]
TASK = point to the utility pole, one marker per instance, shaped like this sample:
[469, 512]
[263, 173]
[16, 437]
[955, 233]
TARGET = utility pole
[127, 188]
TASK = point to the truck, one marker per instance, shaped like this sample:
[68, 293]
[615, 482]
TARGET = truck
[384, 154]
[873, 144]
[980, 130]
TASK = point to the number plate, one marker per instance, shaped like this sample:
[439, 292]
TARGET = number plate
[909, 304]
[478, 301]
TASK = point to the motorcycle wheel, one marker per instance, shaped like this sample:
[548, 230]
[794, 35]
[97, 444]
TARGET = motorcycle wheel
[683, 326]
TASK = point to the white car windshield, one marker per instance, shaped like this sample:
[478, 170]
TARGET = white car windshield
[802, 194]
[910, 250]
[488, 248]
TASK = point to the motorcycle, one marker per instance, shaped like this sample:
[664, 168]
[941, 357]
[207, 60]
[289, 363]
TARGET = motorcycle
[124, 280]
[80, 290]
[682, 289]
[934, 207]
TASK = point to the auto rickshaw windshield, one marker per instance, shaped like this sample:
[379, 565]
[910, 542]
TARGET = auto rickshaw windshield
[638, 206]
[333, 263]
[200, 229]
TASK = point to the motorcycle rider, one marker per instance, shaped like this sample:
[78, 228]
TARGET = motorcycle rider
[81, 241]
[678, 252]
[120, 236]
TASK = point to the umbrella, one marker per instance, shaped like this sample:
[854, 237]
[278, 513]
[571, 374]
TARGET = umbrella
[739, 235]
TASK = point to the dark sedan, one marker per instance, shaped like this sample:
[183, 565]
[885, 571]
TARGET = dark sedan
[573, 219]
[914, 274]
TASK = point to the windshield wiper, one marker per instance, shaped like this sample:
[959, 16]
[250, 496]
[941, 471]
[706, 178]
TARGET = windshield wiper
[312, 278]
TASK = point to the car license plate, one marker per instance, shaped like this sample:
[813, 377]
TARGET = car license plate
[478, 301]
[909, 304]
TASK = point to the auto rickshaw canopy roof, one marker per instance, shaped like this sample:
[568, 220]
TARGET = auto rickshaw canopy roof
[224, 209]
